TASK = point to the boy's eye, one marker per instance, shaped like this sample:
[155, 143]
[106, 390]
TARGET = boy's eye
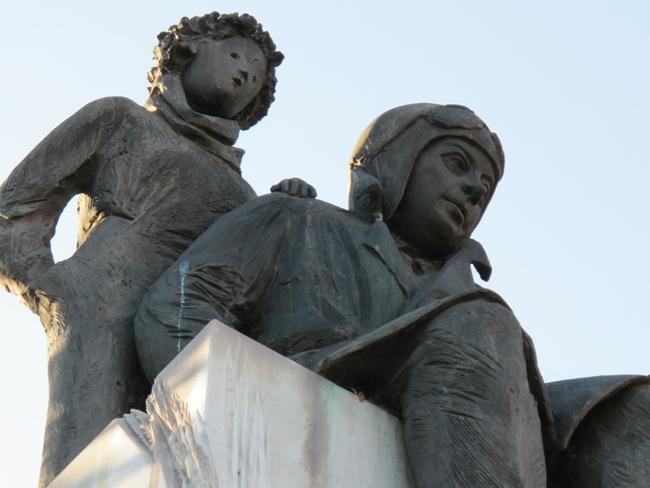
[455, 162]
[234, 55]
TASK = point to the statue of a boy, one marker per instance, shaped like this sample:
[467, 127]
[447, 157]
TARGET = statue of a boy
[150, 181]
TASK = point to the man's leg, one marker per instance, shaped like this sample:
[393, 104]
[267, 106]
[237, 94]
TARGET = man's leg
[611, 446]
[469, 417]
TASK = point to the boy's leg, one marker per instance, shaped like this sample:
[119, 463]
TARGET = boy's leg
[87, 304]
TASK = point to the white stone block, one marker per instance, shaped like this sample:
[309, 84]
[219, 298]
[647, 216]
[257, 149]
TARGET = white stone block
[228, 412]
[115, 459]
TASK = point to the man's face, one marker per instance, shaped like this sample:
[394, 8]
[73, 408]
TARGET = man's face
[445, 196]
[225, 76]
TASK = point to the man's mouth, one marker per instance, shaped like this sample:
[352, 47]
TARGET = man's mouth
[459, 212]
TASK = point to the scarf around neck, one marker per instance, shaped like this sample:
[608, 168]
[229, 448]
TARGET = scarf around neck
[215, 134]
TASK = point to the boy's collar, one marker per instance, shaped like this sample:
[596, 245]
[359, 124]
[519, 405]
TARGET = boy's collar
[215, 134]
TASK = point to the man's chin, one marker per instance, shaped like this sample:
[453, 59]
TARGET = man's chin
[440, 249]
[448, 235]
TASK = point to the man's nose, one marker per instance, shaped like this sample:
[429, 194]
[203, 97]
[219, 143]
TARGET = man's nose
[474, 189]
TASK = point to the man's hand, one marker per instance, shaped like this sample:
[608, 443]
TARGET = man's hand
[295, 187]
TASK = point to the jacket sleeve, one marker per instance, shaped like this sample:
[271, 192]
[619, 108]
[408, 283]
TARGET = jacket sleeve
[222, 275]
[37, 190]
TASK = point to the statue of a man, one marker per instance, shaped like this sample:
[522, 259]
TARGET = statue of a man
[381, 300]
[150, 179]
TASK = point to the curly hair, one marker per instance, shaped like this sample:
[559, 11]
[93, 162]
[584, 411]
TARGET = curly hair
[179, 44]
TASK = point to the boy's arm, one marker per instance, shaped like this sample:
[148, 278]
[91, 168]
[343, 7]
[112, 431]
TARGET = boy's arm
[37, 190]
[295, 187]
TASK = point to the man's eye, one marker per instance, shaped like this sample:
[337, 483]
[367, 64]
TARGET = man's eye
[487, 184]
[455, 162]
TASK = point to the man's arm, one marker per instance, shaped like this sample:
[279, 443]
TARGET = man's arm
[37, 190]
[224, 274]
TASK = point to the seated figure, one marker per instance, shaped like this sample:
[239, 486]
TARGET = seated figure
[381, 300]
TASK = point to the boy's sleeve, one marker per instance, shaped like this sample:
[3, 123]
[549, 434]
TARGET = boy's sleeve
[37, 190]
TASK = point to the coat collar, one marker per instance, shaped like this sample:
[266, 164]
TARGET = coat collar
[437, 280]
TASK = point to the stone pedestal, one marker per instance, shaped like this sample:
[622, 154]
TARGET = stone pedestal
[229, 412]
[115, 459]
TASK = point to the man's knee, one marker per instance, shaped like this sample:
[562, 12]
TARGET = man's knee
[476, 343]
[476, 322]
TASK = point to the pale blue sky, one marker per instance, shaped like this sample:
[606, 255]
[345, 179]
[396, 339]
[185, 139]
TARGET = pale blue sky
[564, 84]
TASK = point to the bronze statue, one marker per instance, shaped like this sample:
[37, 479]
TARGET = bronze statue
[150, 180]
[381, 300]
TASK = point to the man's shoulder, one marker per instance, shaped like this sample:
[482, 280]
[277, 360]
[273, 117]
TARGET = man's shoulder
[298, 206]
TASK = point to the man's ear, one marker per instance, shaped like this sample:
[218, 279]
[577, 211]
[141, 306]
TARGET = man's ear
[365, 195]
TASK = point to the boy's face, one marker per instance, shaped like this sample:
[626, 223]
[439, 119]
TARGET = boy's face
[445, 196]
[225, 76]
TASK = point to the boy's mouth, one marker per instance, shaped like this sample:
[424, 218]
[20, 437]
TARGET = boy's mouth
[236, 81]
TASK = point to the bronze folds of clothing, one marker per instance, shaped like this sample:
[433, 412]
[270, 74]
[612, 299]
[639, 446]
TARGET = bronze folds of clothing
[332, 290]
